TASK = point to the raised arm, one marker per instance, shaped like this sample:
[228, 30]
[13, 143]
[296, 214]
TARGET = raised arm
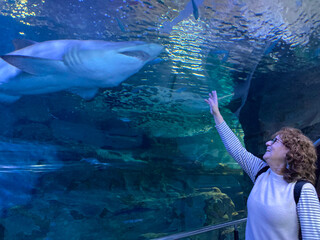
[249, 163]
[309, 212]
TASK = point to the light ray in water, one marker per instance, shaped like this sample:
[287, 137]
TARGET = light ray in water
[29, 168]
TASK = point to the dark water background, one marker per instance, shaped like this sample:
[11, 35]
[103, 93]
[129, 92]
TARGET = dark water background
[141, 160]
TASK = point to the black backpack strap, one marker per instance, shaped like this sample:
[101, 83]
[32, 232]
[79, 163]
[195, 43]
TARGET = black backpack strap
[296, 194]
[297, 190]
[262, 170]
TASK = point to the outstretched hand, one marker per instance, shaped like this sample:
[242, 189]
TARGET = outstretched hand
[213, 103]
[214, 107]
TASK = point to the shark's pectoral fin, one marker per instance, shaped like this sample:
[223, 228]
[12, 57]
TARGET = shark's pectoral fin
[34, 65]
[22, 43]
[87, 93]
[4, 98]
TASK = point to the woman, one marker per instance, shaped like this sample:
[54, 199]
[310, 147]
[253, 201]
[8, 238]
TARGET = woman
[272, 211]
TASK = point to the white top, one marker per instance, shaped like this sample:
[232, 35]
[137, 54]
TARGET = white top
[272, 206]
[272, 212]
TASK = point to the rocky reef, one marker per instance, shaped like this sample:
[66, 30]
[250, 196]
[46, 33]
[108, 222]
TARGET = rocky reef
[282, 95]
[122, 173]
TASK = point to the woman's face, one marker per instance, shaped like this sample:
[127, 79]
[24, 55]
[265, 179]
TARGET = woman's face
[276, 152]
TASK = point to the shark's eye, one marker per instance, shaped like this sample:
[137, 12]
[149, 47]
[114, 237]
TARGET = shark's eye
[137, 54]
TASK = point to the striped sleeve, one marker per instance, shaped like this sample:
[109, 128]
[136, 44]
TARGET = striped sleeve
[308, 209]
[249, 163]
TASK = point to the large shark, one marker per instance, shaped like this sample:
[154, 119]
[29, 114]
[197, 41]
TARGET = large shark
[78, 66]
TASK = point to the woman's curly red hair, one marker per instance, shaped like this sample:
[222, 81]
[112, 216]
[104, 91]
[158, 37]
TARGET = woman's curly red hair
[301, 157]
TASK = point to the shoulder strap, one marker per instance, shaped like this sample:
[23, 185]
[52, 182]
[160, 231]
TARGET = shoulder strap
[296, 194]
[262, 170]
[317, 184]
[297, 190]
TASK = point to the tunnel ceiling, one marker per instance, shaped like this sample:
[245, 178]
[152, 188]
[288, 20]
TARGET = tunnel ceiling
[262, 57]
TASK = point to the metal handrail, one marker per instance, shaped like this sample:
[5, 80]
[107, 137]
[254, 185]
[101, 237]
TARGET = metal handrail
[202, 230]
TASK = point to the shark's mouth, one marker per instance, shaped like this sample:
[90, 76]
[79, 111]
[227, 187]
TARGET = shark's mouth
[137, 54]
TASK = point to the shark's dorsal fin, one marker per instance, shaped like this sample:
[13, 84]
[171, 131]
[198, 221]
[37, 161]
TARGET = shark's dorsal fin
[35, 66]
[22, 43]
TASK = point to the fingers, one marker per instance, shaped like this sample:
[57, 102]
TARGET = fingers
[213, 99]
[213, 94]
[208, 101]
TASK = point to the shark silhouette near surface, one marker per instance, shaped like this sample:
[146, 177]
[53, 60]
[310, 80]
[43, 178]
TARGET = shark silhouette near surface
[78, 66]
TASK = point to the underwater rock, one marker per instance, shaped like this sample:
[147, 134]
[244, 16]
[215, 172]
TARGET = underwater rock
[21, 165]
[160, 111]
[205, 152]
[26, 111]
[148, 198]
[218, 206]
[27, 226]
[204, 208]
[32, 132]
[83, 133]
[290, 100]
[7, 120]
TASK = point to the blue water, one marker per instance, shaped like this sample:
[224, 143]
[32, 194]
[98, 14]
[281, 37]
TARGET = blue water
[142, 159]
